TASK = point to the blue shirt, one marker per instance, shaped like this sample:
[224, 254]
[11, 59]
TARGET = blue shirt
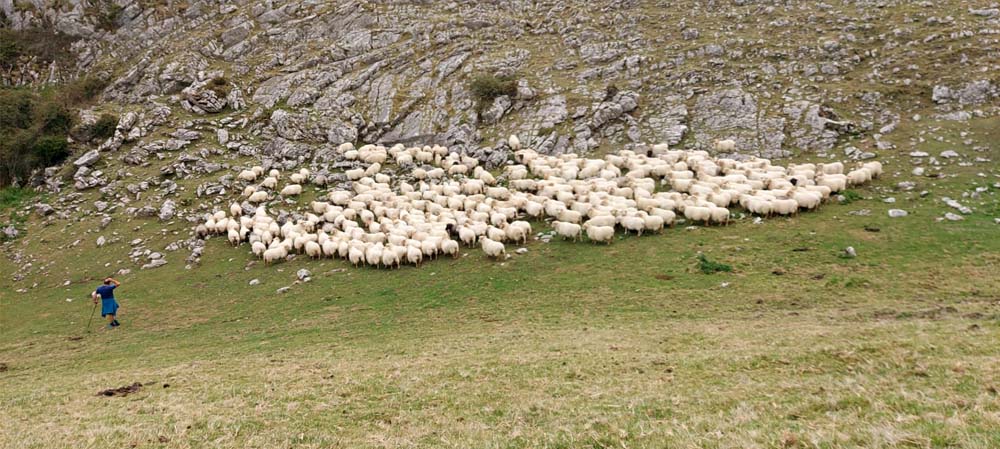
[106, 291]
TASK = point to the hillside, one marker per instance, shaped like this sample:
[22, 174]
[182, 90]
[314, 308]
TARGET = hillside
[566, 344]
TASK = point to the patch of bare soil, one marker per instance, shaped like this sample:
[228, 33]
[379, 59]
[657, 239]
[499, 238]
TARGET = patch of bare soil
[121, 391]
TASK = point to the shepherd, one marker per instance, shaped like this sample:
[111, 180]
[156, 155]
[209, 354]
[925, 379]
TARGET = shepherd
[109, 307]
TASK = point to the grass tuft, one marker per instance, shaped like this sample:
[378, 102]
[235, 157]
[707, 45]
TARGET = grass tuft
[850, 196]
[710, 267]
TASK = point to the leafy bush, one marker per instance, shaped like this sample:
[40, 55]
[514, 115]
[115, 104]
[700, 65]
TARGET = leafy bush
[709, 267]
[105, 126]
[850, 196]
[52, 117]
[48, 150]
[107, 14]
[33, 132]
[43, 44]
[102, 129]
[220, 86]
[16, 107]
[34, 125]
[10, 50]
[610, 92]
[487, 88]
[83, 90]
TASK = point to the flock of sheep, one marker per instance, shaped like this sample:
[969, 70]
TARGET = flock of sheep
[452, 201]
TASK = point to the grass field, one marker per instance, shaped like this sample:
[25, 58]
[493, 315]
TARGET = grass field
[570, 345]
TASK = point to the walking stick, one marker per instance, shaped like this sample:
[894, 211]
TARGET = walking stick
[91, 317]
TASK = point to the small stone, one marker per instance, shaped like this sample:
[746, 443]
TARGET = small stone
[897, 213]
[155, 264]
[167, 210]
[44, 209]
[949, 154]
[953, 217]
[955, 204]
[283, 290]
[88, 159]
[254, 281]
[889, 200]
[918, 171]
[100, 241]
[303, 274]
[850, 253]
[521, 250]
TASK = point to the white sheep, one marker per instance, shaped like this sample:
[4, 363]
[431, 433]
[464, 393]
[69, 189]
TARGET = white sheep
[258, 248]
[275, 254]
[567, 230]
[313, 250]
[514, 143]
[725, 146]
[291, 190]
[450, 247]
[247, 175]
[382, 221]
[600, 233]
[493, 248]
[258, 197]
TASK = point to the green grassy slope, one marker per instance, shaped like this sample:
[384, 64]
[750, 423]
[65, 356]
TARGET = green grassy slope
[569, 345]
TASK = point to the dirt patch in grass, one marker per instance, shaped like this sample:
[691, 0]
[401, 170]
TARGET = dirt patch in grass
[121, 391]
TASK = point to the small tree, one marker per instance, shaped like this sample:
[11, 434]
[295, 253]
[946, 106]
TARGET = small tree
[487, 88]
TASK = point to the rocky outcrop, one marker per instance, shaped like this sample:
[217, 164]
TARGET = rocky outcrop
[734, 114]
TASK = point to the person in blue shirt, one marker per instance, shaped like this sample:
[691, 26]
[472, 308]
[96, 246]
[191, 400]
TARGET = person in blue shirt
[109, 307]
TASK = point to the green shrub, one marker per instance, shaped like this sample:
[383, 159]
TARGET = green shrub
[52, 117]
[107, 14]
[850, 196]
[16, 107]
[49, 150]
[487, 88]
[102, 129]
[610, 92]
[709, 267]
[10, 50]
[34, 125]
[105, 126]
[33, 131]
[220, 86]
[44, 44]
[83, 90]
